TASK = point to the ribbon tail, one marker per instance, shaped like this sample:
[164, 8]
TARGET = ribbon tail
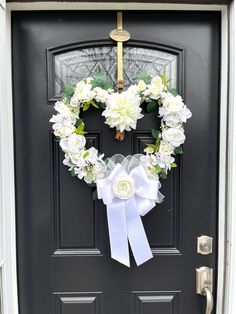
[136, 233]
[118, 232]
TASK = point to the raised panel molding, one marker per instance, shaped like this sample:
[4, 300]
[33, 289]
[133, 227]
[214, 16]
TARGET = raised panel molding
[172, 243]
[153, 302]
[62, 247]
[78, 302]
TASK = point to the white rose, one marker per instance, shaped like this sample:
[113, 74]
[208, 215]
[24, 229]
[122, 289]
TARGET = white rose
[156, 87]
[84, 92]
[141, 86]
[77, 159]
[101, 94]
[185, 114]
[174, 136]
[73, 143]
[172, 120]
[166, 148]
[63, 130]
[74, 102]
[62, 109]
[123, 187]
[172, 104]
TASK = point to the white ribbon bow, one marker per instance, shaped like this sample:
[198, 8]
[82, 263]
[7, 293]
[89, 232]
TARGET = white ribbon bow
[127, 197]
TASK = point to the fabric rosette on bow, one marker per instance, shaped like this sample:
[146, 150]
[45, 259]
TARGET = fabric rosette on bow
[129, 192]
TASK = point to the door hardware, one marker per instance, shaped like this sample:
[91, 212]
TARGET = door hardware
[204, 286]
[120, 35]
[204, 245]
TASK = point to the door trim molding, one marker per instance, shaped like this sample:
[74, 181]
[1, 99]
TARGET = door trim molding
[226, 303]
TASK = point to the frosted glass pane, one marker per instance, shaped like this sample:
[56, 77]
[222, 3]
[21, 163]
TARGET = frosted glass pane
[73, 66]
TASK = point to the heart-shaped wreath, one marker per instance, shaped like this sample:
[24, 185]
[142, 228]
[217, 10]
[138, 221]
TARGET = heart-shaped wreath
[129, 186]
[121, 111]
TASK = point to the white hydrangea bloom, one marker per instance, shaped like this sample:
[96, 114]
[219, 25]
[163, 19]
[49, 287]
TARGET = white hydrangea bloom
[165, 160]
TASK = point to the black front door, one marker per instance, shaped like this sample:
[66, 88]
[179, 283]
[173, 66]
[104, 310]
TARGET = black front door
[64, 264]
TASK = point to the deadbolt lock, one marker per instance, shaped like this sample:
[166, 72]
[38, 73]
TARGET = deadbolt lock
[204, 245]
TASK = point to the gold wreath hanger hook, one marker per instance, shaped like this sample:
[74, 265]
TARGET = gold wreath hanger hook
[120, 35]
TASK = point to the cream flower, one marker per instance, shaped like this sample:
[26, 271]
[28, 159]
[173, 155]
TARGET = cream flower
[77, 158]
[64, 130]
[84, 92]
[73, 144]
[156, 87]
[172, 104]
[123, 187]
[133, 89]
[166, 148]
[101, 95]
[74, 102]
[174, 136]
[165, 161]
[141, 86]
[62, 109]
[149, 150]
[173, 110]
[122, 111]
[92, 155]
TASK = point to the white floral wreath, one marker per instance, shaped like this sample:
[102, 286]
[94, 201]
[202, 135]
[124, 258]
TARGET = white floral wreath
[121, 111]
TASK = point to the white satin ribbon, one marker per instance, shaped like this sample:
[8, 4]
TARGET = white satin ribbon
[124, 221]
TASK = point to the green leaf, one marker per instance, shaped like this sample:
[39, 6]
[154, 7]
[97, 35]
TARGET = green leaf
[151, 146]
[158, 168]
[86, 105]
[163, 175]
[151, 106]
[80, 129]
[72, 172]
[155, 133]
[92, 185]
[173, 91]
[94, 104]
[173, 165]
[101, 105]
[145, 77]
[178, 150]
[94, 195]
[100, 80]
[69, 91]
[79, 121]
[86, 154]
[164, 79]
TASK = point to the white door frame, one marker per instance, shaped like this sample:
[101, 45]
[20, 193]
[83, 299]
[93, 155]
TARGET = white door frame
[226, 302]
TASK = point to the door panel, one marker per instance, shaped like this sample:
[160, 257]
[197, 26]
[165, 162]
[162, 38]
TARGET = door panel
[64, 264]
